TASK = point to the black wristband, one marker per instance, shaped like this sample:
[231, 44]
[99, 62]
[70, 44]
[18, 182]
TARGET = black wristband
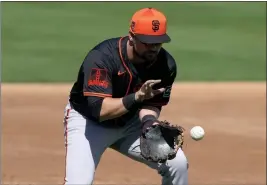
[148, 121]
[130, 103]
[147, 118]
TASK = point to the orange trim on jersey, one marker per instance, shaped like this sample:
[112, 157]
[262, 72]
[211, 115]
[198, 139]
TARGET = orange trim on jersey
[66, 143]
[102, 95]
[124, 64]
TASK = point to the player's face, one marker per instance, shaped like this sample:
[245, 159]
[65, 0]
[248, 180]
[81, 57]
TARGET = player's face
[148, 52]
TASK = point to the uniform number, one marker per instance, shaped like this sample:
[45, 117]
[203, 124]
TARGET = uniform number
[167, 92]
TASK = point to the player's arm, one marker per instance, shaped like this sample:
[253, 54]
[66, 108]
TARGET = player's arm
[105, 108]
[149, 115]
[151, 109]
[112, 108]
[98, 72]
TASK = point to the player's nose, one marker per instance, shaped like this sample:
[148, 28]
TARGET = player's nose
[153, 47]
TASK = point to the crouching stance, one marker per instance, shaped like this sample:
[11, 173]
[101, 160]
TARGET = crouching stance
[122, 85]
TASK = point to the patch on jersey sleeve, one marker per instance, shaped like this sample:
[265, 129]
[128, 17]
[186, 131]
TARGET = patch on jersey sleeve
[98, 77]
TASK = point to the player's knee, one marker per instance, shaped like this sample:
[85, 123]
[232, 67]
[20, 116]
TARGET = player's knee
[176, 166]
[179, 163]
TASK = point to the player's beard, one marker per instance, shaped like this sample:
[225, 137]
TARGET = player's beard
[147, 56]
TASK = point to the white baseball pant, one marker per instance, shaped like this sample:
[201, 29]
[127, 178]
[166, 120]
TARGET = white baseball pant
[86, 141]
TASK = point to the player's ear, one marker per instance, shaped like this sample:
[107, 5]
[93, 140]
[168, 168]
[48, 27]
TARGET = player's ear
[131, 40]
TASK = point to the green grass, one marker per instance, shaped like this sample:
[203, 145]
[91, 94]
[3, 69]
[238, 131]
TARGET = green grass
[47, 41]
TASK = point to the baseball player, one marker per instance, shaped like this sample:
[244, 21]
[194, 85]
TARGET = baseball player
[122, 85]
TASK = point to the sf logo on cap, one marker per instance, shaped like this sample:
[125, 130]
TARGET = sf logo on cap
[155, 25]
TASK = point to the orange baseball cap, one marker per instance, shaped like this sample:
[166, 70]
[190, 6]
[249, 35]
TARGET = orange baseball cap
[150, 26]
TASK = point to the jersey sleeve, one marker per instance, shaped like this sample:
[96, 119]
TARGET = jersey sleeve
[97, 72]
[163, 98]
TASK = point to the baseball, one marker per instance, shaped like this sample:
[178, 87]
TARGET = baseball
[197, 133]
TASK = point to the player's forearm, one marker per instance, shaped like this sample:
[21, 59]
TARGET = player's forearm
[148, 116]
[116, 107]
[149, 110]
[112, 108]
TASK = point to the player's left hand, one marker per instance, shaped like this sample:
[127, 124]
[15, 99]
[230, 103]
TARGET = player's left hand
[161, 141]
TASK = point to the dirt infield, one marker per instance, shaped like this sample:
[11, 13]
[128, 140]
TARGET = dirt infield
[232, 152]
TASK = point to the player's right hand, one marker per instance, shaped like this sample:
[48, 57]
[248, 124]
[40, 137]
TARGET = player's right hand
[147, 91]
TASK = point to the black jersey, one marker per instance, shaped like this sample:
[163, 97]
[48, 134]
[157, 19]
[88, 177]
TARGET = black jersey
[107, 72]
